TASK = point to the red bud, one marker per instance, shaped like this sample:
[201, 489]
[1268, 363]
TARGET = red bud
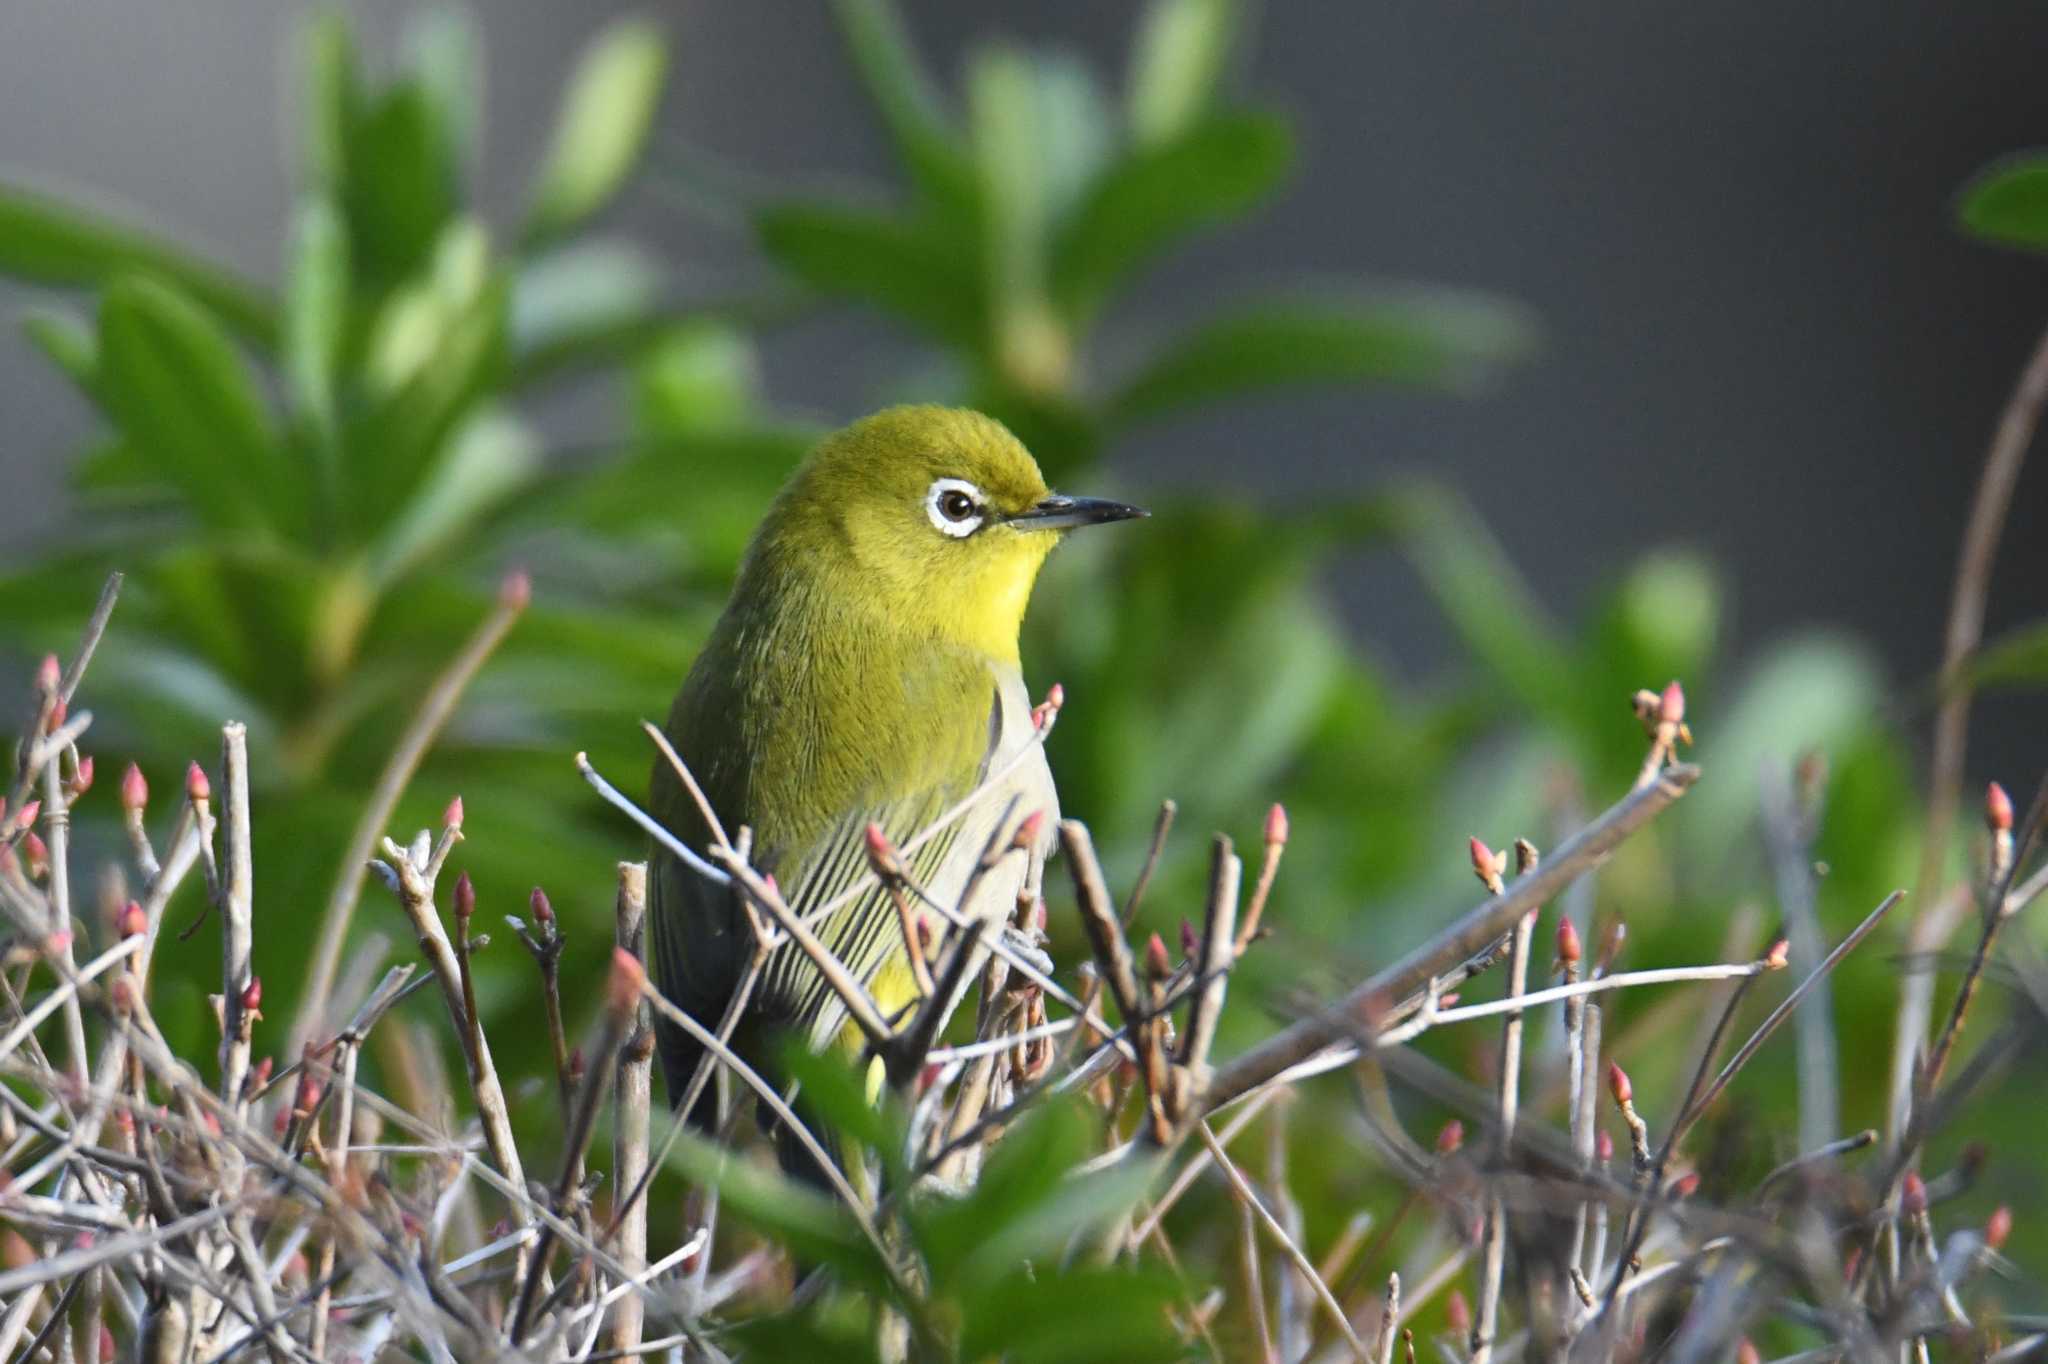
[1913, 1194]
[451, 818]
[622, 991]
[134, 790]
[1188, 941]
[1671, 706]
[928, 1075]
[37, 853]
[196, 784]
[131, 921]
[464, 899]
[1568, 949]
[537, 903]
[1685, 1186]
[576, 1066]
[1458, 1313]
[1745, 1352]
[82, 783]
[1450, 1137]
[106, 1344]
[58, 711]
[516, 591]
[1999, 1227]
[1276, 825]
[1618, 1085]
[308, 1097]
[252, 995]
[1489, 866]
[26, 816]
[882, 853]
[1028, 831]
[1998, 808]
[1603, 1146]
[259, 1076]
[1156, 964]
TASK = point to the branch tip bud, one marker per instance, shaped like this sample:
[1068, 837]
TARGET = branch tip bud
[196, 784]
[515, 592]
[464, 898]
[537, 904]
[1276, 825]
[1617, 1084]
[1157, 966]
[134, 789]
[1450, 1137]
[1998, 809]
[1569, 950]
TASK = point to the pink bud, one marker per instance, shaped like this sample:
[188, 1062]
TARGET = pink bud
[308, 1096]
[1618, 1085]
[1998, 808]
[26, 816]
[134, 790]
[1745, 1352]
[59, 711]
[131, 921]
[882, 853]
[252, 995]
[260, 1075]
[464, 898]
[106, 1344]
[1913, 1194]
[537, 903]
[1029, 830]
[1685, 1186]
[37, 853]
[1603, 1146]
[928, 1075]
[1568, 949]
[50, 674]
[1450, 1137]
[1458, 1314]
[516, 591]
[1999, 1227]
[196, 784]
[451, 818]
[1671, 706]
[1156, 964]
[622, 992]
[1056, 697]
[1780, 953]
[82, 783]
[1276, 825]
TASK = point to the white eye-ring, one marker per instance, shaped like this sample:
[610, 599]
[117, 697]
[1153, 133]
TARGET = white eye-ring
[955, 507]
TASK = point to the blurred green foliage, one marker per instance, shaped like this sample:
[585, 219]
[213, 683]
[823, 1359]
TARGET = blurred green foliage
[314, 489]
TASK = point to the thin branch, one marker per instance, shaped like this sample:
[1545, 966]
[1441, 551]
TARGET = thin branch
[1471, 934]
[434, 712]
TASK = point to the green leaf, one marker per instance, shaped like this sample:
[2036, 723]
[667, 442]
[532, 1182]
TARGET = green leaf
[441, 53]
[1487, 602]
[1211, 172]
[834, 1093]
[1002, 100]
[908, 104]
[48, 241]
[811, 1225]
[399, 188]
[1177, 63]
[2007, 202]
[916, 274]
[489, 459]
[176, 387]
[333, 98]
[1082, 1315]
[316, 308]
[703, 376]
[2014, 660]
[1429, 339]
[69, 344]
[602, 127]
[1818, 692]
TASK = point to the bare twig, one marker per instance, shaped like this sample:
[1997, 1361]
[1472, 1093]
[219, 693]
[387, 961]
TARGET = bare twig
[435, 709]
[1472, 933]
[631, 1104]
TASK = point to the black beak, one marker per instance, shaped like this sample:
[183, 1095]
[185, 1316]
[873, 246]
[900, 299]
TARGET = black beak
[1064, 513]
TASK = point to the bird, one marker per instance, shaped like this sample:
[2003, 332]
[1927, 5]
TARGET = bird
[863, 679]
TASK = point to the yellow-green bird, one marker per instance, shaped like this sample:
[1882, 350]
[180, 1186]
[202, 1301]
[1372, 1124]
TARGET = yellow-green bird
[865, 671]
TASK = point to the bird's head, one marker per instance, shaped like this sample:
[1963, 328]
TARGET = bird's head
[938, 515]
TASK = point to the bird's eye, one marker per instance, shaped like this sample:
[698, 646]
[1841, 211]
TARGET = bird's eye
[955, 507]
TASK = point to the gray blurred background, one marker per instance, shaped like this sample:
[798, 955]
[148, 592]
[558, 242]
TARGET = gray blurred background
[1761, 336]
